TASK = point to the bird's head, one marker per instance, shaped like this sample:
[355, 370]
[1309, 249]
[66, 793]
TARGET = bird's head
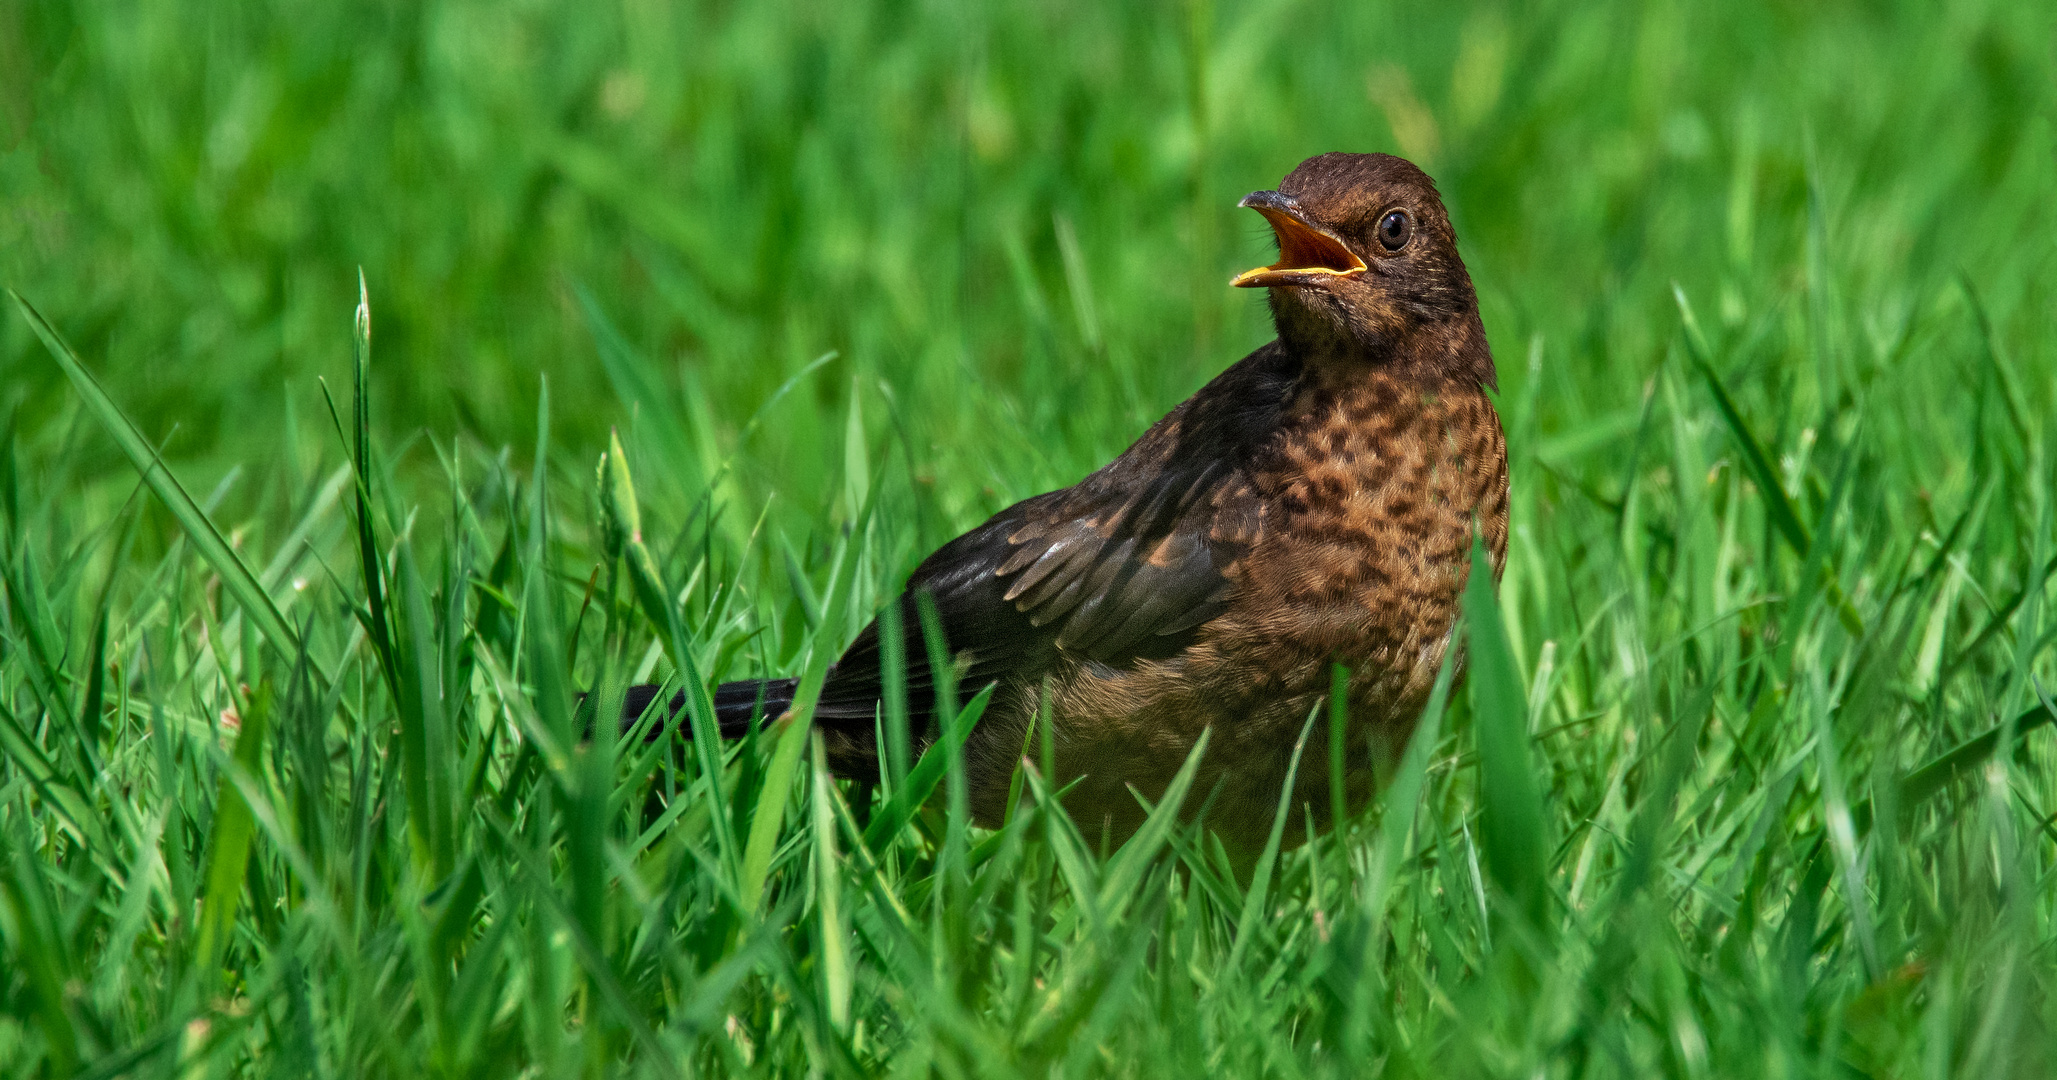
[1368, 267]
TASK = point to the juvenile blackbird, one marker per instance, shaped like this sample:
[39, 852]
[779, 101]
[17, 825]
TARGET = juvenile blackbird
[1313, 504]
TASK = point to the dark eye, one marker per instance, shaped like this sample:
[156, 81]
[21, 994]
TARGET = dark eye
[1394, 229]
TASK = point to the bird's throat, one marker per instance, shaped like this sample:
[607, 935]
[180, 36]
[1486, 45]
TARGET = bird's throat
[1339, 344]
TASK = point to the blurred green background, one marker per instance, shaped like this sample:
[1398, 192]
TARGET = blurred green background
[876, 270]
[1012, 223]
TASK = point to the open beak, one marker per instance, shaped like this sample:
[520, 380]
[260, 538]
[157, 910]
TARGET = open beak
[1306, 254]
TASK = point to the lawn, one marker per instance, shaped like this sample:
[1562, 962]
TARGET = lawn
[298, 582]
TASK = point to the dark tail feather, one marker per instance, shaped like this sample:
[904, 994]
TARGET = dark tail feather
[734, 705]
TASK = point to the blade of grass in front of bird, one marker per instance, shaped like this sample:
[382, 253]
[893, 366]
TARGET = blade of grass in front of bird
[762, 844]
[618, 496]
[589, 827]
[1402, 800]
[1511, 819]
[888, 911]
[942, 666]
[773, 795]
[1072, 861]
[893, 703]
[1125, 872]
[926, 774]
[1403, 797]
[828, 895]
[1260, 878]
[207, 540]
[654, 593]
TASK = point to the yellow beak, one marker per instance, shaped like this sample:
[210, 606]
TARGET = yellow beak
[1306, 254]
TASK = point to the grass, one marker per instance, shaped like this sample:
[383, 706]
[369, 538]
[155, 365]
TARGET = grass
[289, 774]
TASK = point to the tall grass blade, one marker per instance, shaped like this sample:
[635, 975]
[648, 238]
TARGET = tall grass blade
[835, 957]
[1260, 877]
[1512, 824]
[1755, 461]
[926, 774]
[637, 387]
[425, 750]
[789, 743]
[37, 939]
[199, 528]
[655, 596]
[228, 850]
[893, 700]
[1125, 872]
[1403, 797]
[379, 626]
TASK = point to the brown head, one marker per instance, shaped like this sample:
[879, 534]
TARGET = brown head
[1368, 269]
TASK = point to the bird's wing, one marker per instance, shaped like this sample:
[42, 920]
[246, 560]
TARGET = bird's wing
[1125, 565]
[1106, 571]
[1111, 571]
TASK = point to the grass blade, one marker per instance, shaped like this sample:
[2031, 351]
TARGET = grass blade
[926, 774]
[1260, 878]
[199, 528]
[789, 743]
[1758, 463]
[1512, 823]
[1125, 871]
[835, 958]
[655, 596]
[229, 849]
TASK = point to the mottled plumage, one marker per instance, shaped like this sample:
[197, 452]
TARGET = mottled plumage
[1314, 503]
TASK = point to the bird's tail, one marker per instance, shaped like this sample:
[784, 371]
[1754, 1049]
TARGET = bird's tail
[735, 704]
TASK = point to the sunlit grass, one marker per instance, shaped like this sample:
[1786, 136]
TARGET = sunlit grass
[291, 772]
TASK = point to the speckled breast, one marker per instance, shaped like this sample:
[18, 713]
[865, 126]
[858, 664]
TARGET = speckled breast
[1366, 506]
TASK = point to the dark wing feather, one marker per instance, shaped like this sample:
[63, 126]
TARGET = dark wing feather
[1049, 576]
[1125, 565]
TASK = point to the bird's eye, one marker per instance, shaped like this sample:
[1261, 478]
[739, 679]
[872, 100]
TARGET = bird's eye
[1395, 229]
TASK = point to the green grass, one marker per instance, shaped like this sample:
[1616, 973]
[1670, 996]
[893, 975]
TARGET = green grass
[289, 775]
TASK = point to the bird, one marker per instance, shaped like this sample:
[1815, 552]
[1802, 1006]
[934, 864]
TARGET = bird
[1313, 505]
